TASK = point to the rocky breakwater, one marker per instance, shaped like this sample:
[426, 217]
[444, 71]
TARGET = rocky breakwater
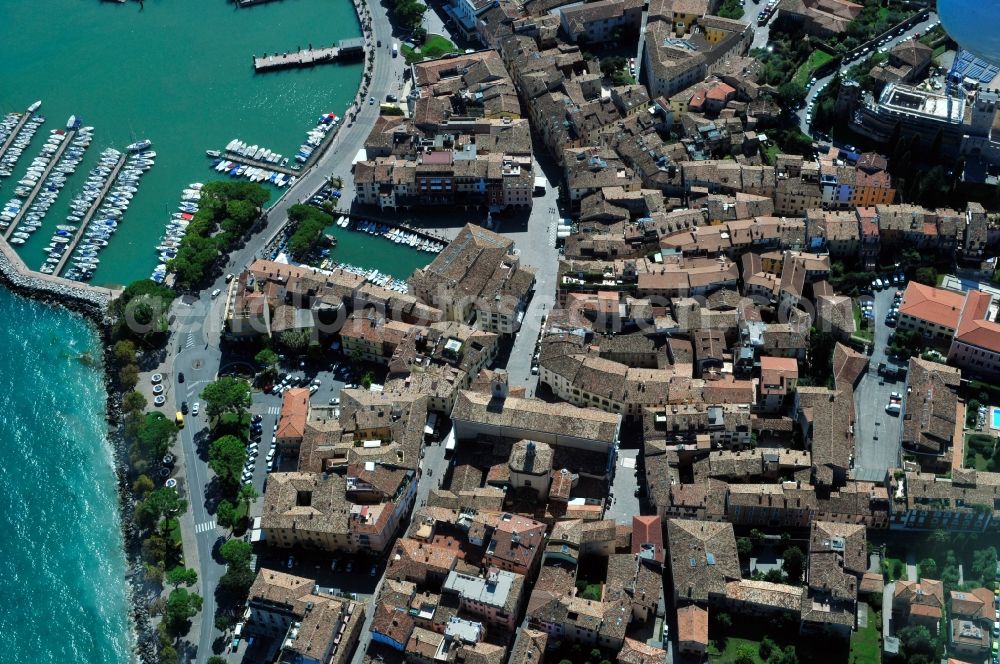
[94, 303]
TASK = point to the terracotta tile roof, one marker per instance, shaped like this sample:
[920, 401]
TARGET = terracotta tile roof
[934, 305]
[637, 652]
[972, 328]
[294, 411]
[692, 625]
[929, 420]
[648, 530]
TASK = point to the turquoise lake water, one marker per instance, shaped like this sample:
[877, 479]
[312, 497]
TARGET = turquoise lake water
[180, 73]
[63, 598]
[973, 24]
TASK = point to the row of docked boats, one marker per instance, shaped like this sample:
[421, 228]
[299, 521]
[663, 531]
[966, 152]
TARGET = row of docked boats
[393, 234]
[176, 229]
[252, 173]
[43, 180]
[99, 217]
[372, 276]
[256, 152]
[20, 142]
[316, 136]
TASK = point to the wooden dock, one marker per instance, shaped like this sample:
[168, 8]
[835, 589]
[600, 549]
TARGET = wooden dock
[266, 165]
[56, 158]
[305, 57]
[15, 133]
[85, 222]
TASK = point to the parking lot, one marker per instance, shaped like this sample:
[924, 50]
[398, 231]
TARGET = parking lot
[324, 380]
[877, 432]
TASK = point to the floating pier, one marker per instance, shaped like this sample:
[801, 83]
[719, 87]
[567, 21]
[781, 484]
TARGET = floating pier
[16, 131]
[310, 57]
[85, 222]
[237, 158]
[56, 158]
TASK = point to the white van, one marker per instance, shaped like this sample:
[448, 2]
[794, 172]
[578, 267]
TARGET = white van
[893, 409]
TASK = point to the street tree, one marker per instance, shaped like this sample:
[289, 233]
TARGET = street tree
[248, 495]
[235, 552]
[157, 434]
[226, 457]
[142, 485]
[227, 394]
[181, 607]
[225, 514]
[182, 576]
[266, 358]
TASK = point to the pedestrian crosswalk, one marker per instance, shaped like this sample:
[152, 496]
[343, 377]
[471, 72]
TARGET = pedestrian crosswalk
[205, 527]
[274, 410]
[190, 340]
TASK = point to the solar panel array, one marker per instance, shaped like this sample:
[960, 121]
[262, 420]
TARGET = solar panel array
[967, 65]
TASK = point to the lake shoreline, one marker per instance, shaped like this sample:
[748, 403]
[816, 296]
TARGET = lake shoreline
[92, 305]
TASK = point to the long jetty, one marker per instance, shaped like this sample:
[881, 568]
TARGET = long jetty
[14, 134]
[304, 57]
[71, 245]
[56, 158]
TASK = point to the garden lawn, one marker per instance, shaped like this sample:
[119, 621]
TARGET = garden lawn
[865, 643]
[728, 655]
[433, 47]
[816, 59]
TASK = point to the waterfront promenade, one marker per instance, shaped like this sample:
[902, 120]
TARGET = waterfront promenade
[194, 347]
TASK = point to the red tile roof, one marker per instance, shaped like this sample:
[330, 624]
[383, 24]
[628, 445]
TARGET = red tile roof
[294, 410]
[648, 530]
[934, 305]
[972, 327]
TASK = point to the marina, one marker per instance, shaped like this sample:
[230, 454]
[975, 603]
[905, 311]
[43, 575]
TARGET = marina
[84, 223]
[38, 174]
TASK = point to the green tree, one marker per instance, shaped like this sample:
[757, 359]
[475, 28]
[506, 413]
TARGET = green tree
[917, 645]
[163, 503]
[266, 358]
[128, 376]
[124, 352]
[225, 514]
[216, 659]
[134, 402]
[157, 434]
[235, 552]
[226, 457]
[182, 576]
[248, 495]
[928, 568]
[767, 647]
[793, 563]
[984, 564]
[744, 547]
[227, 394]
[237, 579]
[295, 340]
[181, 607]
[366, 379]
[926, 275]
[791, 95]
[142, 485]
[746, 654]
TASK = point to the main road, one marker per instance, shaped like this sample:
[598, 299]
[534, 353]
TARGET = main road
[195, 344]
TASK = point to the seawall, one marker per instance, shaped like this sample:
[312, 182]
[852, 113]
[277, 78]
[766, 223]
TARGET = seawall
[93, 303]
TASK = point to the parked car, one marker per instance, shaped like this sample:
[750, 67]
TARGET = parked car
[195, 408]
[216, 293]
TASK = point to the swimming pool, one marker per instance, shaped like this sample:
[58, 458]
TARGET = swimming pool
[995, 418]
